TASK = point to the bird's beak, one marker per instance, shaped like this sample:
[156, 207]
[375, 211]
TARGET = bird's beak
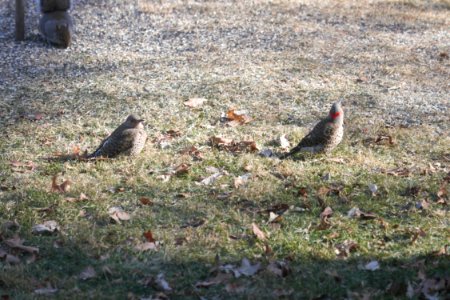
[140, 121]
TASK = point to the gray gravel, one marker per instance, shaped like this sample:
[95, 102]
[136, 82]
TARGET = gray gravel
[282, 59]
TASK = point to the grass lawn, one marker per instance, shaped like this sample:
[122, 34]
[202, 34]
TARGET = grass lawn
[159, 226]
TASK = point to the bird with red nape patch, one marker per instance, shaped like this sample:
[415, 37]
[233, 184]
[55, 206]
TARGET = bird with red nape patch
[325, 136]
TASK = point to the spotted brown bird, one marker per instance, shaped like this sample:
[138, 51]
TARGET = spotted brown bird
[128, 139]
[325, 136]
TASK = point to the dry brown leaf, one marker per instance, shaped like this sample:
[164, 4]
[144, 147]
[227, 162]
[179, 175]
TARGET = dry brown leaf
[233, 146]
[87, 273]
[145, 246]
[210, 179]
[279, 268]
[21, 167]
[344, 249]
[442, 193]
[258, 232]
[195, 102]
[193, 151]
[218, 279]
[418, 232]
[274, 218]
[48, 227]
[118, 214]
[384, 140]
[182, 169]
[145, 201]
[237, 117]
[60, 188]
[17, 243]
[324, 218]
[83, 197]
[45, 291]
[399, 172]
[149, 236]
[444, 251]
[241, 180]
[220, 141]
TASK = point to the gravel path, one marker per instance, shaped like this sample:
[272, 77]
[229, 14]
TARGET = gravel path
[280, 60]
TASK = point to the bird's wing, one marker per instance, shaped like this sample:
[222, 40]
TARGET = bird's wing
[318, 135]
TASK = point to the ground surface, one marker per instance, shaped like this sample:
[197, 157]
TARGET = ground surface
[284, 62]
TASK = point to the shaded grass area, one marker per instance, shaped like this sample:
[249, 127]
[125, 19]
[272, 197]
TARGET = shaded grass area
[285, 63]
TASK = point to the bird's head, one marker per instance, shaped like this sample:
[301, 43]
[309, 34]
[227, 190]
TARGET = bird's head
[336, 111]
[134, 121]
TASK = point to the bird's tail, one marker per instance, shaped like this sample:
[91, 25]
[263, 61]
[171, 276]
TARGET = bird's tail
[94, 154]
[290, 153]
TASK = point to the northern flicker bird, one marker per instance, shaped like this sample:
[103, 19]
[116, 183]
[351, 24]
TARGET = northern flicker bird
[325, 136]
[129, 139]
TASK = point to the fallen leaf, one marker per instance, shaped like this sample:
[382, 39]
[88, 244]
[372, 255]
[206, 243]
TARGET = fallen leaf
[164, 177]
[21, 167]
[284, 143]
[442, 192]
[326, 177]
[146, 246]
[372, 266]
[280, 293]
[145, 201]
[344, 249]
[247, 268]
[418, 232]
[182, 169]
[149, 236]
[373, 189]
[161, 283]
[87, 273]
[83, 197]
[258, 232]
[235, 288]
[241, 180]
[10, 225]
[8, 258]
[357, 213]
[17, 243]
[384, 140]
[209, 180]
[195, 102]
[60, 188]
[334, 274]
[324, 218]
[424, 204]
[195, 222]
[444, 251]
[193, 151]
[233, 146]
[399, 172]
[274, 218]
[48, 227]
[279, 268]
[164, 140]
[118, 214]
[237, 117]
[45, 291]
[218, 279]
[326, 213]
